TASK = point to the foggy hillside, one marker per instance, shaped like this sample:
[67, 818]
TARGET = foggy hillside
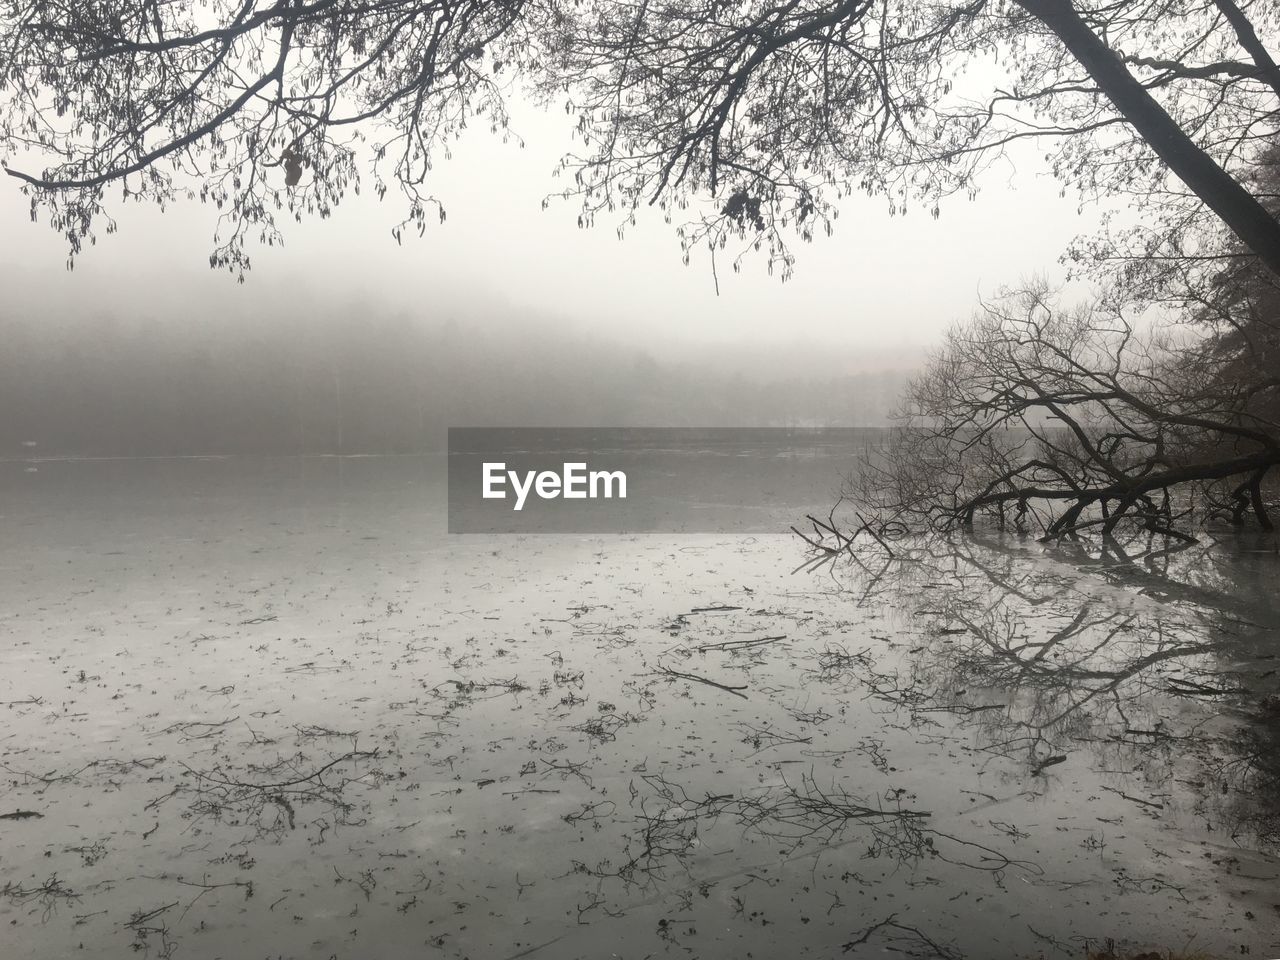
[370, 381]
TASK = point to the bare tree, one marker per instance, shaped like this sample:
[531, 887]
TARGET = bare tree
[777, 111]
[264, 108]
[1158, 403]
[784, 109]
[1070, 419]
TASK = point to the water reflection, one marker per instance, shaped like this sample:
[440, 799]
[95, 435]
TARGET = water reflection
[346, 735]
[1170, 679]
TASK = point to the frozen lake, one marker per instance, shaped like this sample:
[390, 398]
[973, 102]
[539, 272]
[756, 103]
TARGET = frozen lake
[267, 707]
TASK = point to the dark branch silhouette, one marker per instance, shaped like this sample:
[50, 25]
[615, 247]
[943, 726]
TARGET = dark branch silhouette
[272, 108]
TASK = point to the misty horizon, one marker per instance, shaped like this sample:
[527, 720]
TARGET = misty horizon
[360, 382]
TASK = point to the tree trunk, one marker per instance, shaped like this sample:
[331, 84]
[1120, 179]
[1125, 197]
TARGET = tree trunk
[1248, 38]
[1255, 496]
[1235, 205]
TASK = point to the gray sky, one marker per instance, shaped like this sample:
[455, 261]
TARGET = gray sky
[879, 284]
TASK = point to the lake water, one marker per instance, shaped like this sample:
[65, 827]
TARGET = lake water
[269, 708]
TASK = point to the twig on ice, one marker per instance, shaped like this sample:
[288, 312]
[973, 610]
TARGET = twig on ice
[736, 691]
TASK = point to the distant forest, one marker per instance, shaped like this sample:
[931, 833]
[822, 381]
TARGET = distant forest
[373, 384]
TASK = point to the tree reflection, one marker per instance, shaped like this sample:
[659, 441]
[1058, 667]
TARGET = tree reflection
[1153, 658]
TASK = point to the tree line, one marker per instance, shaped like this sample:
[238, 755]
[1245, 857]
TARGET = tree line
[374, 384]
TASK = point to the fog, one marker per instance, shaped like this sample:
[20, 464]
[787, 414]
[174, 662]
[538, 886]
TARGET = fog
[354, 378]
[342, 340]
[282, 680]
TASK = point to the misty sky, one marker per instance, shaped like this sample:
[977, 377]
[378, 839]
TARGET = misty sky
[879, 284]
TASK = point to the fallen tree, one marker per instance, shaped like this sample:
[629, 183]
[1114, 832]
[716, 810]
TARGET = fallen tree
[1074, 418]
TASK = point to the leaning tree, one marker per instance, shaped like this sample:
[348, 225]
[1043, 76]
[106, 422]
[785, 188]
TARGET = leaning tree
[1067, 418]
[783, 109]
[1094, 415]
